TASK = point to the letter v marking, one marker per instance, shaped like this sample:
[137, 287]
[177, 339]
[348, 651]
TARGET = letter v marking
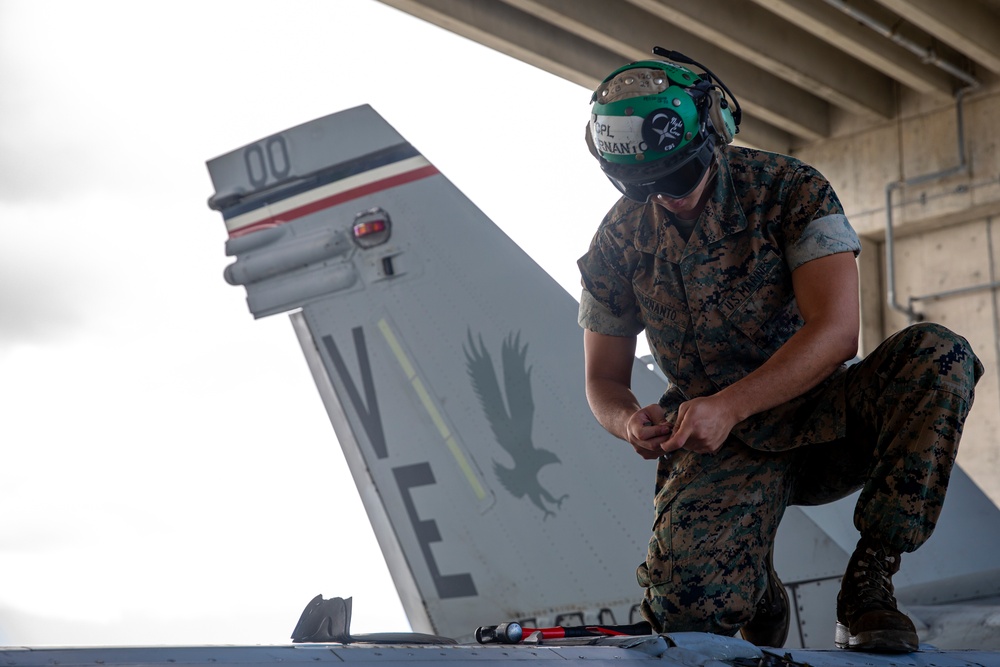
[368, 409]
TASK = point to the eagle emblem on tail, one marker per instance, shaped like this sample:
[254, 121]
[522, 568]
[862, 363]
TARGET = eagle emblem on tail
[511, 421]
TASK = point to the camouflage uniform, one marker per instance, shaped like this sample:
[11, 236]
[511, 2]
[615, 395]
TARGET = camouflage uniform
[716, 307]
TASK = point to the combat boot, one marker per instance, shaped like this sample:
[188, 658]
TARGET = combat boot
[769, 625]
[867, 617]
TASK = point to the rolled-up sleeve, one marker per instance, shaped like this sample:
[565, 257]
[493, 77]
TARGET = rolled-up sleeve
[814, 225]
[828, 235]
[596, 317]
[607, 304]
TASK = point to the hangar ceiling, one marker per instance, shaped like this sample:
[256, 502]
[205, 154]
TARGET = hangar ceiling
[803, 70]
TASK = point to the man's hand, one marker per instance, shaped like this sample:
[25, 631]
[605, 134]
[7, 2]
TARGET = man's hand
[647, 432]
[609, 362]
[703, 424]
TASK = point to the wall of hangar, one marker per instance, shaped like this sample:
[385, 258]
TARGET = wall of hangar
[940, 168]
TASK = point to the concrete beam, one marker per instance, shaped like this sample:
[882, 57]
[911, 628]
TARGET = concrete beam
[633, 33]
[755, 133]
[844, 33]
[967, 26]
[508, 30]
[758, 36]
[511, 32]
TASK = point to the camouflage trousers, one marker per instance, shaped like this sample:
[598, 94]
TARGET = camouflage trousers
[717, 514]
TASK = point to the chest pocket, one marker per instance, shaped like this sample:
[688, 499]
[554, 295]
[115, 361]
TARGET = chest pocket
[762, 305]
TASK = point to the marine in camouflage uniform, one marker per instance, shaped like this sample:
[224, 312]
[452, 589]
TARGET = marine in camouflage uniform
[715, 307]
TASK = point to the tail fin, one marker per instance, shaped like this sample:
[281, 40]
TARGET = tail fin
[451, 367]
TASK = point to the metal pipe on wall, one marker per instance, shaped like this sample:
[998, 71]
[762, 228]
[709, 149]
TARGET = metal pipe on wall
[890, 255]
[926, 56]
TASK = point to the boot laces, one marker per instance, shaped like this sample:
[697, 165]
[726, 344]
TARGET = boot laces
[873, 578]
[769, 604]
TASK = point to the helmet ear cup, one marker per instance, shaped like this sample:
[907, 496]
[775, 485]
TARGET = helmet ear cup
[720, 116]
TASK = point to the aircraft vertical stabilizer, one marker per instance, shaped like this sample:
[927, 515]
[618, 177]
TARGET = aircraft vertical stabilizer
[452, 369]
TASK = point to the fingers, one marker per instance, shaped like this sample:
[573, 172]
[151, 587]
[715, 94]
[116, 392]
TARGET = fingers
[648, 454]
[680, 433]
[700, 428]
[678, 439]
[651, 438]
[648, 431]
[651, 414]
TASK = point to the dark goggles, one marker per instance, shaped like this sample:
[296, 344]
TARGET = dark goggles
[675, 179]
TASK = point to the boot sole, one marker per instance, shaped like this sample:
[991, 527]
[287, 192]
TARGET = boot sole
[877, 641]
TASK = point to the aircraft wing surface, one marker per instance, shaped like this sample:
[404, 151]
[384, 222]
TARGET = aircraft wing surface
[677, 650]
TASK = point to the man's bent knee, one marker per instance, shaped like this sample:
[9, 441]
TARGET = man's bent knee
[928, 355]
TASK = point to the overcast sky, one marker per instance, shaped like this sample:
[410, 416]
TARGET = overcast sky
[167, 471]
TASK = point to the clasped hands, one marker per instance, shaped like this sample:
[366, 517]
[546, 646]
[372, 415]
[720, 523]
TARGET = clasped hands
[701, 426]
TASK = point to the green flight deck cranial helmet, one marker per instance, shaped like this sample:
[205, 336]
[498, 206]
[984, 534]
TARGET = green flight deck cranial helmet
[654, 126]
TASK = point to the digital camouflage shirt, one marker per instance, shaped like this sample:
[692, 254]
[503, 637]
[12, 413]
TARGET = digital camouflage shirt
[717, 306]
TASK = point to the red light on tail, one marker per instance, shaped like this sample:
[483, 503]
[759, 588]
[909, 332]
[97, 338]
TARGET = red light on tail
[371, 228]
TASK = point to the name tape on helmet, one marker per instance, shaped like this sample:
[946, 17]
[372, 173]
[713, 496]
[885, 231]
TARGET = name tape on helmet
[618, 135]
